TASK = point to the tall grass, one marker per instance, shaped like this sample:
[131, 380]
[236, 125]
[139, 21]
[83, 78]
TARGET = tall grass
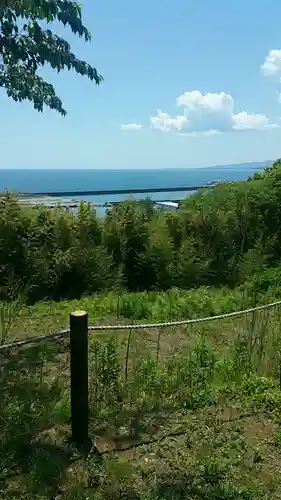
[146, 371]
[10, 311]
[140, 381]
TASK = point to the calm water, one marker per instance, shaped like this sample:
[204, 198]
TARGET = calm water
[31, 181]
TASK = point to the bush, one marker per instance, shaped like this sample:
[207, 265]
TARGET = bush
[57, 254]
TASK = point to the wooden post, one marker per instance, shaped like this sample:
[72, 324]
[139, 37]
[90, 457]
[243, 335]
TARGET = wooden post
[79, 379]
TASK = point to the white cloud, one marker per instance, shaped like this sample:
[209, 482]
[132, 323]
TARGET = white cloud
[272, 63]
[131, 126]
[207, 114]
[246, 121]
[211, 102]
[272, 68]
[205, 133]
[165, 122]
[207, 111]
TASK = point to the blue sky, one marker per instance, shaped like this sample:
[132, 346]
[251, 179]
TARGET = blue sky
[186, 83]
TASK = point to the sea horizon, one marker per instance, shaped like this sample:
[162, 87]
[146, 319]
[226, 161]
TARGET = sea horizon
[138, 169]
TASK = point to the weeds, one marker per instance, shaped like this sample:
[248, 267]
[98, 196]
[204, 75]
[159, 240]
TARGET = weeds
[9, 312]
[178, 401]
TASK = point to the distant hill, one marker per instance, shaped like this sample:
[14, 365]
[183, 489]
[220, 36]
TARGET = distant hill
[259, 164]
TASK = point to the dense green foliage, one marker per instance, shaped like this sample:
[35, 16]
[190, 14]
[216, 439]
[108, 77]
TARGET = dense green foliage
[226, 236]
[26, 46]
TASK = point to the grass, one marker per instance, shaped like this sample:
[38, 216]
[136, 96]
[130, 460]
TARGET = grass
[192, 412]
[138, 307]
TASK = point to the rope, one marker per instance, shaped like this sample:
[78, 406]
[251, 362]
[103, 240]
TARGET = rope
[183, 322]
[136, 326]
[35, 340]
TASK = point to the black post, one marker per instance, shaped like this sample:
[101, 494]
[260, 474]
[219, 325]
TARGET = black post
[79, 379]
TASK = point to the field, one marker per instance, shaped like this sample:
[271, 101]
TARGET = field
[190, 412]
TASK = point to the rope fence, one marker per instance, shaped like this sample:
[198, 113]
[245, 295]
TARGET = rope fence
[139, 326]
[79, 359]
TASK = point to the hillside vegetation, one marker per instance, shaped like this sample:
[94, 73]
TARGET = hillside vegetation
[221, 237]
[178, 413]
[192, 412]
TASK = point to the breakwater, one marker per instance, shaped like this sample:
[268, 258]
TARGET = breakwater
[116, 191]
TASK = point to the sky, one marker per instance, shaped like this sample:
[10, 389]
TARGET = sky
[186, 84]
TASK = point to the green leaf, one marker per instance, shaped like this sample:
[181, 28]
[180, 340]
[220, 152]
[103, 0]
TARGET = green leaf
[24, 50]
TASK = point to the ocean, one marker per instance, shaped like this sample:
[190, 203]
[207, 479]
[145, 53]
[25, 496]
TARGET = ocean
[40, 180]
[36, 180]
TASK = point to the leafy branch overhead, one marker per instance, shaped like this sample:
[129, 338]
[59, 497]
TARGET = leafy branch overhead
[25, 46]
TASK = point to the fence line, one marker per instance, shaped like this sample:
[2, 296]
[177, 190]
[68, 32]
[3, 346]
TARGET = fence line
[136, 326]
[35, 339]
[79, 362]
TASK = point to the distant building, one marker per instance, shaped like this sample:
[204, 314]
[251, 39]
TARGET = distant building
[166, 206]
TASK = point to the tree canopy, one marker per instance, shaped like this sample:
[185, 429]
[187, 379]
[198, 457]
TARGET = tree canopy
[26, 46]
